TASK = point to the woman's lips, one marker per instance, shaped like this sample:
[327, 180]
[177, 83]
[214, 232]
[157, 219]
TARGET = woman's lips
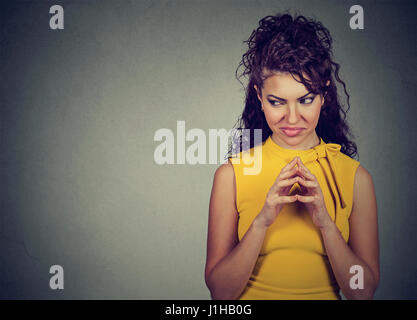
[292, 132]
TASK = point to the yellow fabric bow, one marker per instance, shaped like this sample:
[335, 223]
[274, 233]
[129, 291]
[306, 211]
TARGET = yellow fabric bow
[329, 151]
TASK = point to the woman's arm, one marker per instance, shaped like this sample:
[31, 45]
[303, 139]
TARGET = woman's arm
[229, 262]
[363, 247]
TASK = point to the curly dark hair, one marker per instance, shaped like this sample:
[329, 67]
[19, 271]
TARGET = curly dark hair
[297, 46]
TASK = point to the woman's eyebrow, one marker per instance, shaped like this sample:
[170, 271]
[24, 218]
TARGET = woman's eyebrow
[282, 99]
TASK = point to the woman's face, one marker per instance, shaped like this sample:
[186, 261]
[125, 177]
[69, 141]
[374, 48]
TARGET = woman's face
[288, 104]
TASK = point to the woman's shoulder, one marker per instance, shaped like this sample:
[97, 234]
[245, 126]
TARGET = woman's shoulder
[363, 178]
[224, 182]
[224, 171]
[364, 197]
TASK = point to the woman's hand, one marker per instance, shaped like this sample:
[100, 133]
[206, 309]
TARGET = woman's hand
[278, 194]
[312, 196]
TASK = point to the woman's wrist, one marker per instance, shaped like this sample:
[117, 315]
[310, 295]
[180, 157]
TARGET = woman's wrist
[329, 225]
[259, 223]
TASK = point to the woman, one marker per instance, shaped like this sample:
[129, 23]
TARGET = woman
[305, 226]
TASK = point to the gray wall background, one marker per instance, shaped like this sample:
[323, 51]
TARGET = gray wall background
[80, 106]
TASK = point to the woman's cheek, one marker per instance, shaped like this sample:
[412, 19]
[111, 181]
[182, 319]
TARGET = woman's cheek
[275, 115]
[314, 113]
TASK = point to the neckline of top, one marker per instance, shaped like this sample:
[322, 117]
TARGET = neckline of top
[271, 144]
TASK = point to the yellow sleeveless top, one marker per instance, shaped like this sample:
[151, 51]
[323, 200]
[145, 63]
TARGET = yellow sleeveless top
[293, 263]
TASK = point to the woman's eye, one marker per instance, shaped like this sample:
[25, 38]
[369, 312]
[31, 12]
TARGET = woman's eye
[307, 100]
[274, 102]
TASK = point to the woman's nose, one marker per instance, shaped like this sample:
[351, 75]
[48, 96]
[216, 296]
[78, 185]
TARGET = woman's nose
[292, 113]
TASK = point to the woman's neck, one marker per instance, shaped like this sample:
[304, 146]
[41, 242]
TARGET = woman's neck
[308, 143]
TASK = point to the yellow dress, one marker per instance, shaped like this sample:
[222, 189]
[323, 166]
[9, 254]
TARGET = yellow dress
[293, 263]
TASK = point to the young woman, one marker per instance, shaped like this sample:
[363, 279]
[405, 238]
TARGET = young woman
[305, 226]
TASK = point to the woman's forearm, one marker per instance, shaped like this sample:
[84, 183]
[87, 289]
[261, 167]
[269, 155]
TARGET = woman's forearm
[229, 277]
[342, 258]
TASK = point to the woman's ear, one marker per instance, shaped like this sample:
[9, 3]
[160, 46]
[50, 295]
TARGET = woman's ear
[324, 96]
[257, 92]
[259, 98]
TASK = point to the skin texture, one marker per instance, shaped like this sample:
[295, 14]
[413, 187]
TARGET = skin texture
[229, 262]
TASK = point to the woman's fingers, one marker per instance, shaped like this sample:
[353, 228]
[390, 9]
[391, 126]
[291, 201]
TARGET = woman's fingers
[305, 199]
[290, 164]
[287, 199]
[304, 170]
[288, 182]
[290, 173]
[308, 183]
[274, 201]
[283, 174]
[294, 171]
[279, 184]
